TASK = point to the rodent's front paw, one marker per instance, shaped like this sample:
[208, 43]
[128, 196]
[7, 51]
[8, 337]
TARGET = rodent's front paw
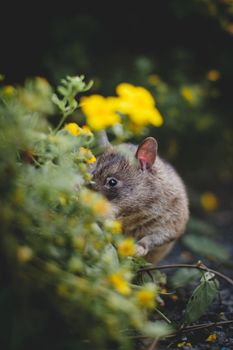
[140, 250]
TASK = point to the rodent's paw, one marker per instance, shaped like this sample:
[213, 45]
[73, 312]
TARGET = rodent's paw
[140, 250]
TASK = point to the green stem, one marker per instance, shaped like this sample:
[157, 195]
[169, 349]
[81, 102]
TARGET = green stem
[61, 122]
[163, 316]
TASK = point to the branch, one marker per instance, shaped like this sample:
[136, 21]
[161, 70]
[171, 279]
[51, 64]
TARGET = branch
[153, 344]
[198, 266]
[199, 326]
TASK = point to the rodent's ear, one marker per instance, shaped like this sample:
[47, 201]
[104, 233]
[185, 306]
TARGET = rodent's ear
[103, 139]
[146, 153]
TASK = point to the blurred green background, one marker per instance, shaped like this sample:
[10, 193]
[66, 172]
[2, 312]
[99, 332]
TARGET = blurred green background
[180, 50]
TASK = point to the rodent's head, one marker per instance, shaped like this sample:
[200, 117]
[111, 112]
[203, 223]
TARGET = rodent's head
[120, 172]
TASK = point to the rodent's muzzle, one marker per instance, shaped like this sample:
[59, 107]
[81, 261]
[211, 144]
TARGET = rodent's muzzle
[92, 186]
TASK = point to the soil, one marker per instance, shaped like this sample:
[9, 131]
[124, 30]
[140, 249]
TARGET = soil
[220, 310]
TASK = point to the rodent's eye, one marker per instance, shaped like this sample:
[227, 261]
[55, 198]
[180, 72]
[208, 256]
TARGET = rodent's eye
[111, 182]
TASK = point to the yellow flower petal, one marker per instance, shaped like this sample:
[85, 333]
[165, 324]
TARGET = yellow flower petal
[146, 298]
[184, 344]
[120, 284]
[211, 338]
[126, 247]
[8, 90]
[100, 111]
[138, 104]
[209, 201]
[213, 75]
[73, 129]
[187, 94]
[24, 254]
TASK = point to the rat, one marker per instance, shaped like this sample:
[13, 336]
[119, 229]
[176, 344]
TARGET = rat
[147, 196]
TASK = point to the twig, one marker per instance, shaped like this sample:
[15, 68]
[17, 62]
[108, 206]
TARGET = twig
[198, 266]
[199, 326]
[153, 344]
[191, 328]
[163, 316]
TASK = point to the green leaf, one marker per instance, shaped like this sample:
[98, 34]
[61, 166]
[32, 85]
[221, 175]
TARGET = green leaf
[206, 247]
[58, 102]
[110, 256]
[183, 277]
[63, 91]
[200, 300]
[201, 227]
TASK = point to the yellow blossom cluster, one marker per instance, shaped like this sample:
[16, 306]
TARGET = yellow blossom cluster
[98, 205]
[24, 254]
[134, 101]
[8, 90]
[87, 155]
[126, 247]
[138, 104]
[75, 130]
[212, 338]
[114, 226]
[120, 283]
[146, 296]
[100, 111]
[184, 344]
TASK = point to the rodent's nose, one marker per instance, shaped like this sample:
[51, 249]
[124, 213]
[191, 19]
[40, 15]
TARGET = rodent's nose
[92, 185]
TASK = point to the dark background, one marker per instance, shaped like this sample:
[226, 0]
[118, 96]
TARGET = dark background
[113, 42]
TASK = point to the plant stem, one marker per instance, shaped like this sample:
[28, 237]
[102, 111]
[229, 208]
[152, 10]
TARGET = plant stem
[163, 316]
[191, 328]
[61, 122]
[199, 326]
[198, 266]
[153, 344]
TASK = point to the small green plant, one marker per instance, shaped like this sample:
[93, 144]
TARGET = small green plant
[64, 259]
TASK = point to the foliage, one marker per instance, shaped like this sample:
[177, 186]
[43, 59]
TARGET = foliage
[201, 298]
[64, 258]
[69, 276]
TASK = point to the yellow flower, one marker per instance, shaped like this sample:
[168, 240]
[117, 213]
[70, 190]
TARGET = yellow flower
[184, 344]
[153, 79]
[87, 155]
[213, 75]
[24, 254]
[114, 226]
[146, 297]
[138, 104]
[91, 160]
[163, 291]
[209, 201]
[73, 129]
[87, 196]
[98, 204]
[174, 297]
[120, 284]
[8, 90]
[42, 85]
[187, 94]
[86, 130]
[134, 97]
[101, 207]
[126, 247]
[100, 111]
[63, 199]
[212, 337]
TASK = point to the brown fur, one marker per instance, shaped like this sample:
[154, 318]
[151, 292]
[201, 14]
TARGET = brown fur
[151, 203]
